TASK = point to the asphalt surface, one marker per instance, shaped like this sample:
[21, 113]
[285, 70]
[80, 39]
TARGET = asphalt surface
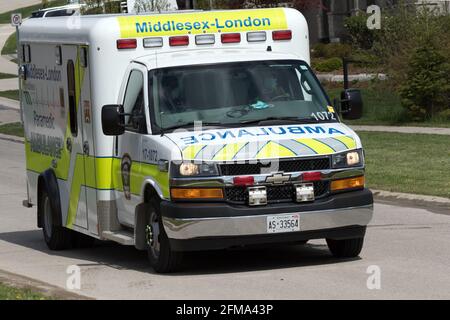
[409, 245]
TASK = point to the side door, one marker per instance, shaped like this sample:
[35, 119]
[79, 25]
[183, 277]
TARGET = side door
[76, 206]
[129, 145]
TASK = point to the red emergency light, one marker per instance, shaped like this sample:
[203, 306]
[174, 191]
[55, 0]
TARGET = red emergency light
[244, 181]
[179, 41]
[312, 176]
[231, 38]
[126, 44]
[282, 35]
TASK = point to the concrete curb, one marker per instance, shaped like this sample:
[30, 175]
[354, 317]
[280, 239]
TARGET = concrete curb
[412, 199]
[21, 282]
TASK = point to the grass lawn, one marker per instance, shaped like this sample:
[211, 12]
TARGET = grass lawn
[11, 94]
[9, 293]
[10, 46]
[7, 76]
[382, 106]
[5, 18]
[13, 129]
[410, 163]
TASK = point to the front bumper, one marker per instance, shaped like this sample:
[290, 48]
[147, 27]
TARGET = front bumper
[202, 226]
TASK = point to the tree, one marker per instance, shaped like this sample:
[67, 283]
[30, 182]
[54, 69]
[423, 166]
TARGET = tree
[426, 91]
[151, 5]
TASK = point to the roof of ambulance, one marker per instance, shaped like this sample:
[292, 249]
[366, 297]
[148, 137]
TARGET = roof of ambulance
[86, 28]
[210, 56]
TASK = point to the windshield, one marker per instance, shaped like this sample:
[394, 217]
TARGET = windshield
[237, 94]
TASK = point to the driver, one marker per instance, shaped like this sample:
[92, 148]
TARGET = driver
[171, 95]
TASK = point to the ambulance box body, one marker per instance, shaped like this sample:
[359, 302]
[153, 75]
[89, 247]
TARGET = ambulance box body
[187, 131]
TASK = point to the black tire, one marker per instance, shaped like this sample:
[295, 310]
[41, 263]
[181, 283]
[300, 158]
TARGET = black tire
[56, 237]
[162, 258]
[347, 248]
[302, 242]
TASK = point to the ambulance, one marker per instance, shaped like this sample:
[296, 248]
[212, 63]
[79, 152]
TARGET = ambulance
[187, 131]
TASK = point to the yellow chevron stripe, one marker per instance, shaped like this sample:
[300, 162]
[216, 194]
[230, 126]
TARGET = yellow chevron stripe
[317, 146]
[274, 150]
[190, 152]
[229, 151]
[348, 141]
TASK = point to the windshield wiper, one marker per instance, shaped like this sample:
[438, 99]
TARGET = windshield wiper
[280, 119]
[192, 124]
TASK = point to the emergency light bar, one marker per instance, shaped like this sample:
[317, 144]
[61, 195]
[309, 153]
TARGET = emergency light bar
[205, 39]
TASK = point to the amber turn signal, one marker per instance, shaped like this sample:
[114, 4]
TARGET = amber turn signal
[350, 183]
[196, 193]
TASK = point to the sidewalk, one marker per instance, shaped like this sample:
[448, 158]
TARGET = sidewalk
[420, 130]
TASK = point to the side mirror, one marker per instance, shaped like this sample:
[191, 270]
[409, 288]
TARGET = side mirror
[351, 104]
[113, 120]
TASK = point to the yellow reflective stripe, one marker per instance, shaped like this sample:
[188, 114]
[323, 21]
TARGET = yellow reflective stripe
[77, 182]
[317, 146]
[274, 150]
[229, 151]
[348, 141]
[190, 152]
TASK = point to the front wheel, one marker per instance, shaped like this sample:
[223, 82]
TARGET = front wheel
[162, 258]
[347, 248]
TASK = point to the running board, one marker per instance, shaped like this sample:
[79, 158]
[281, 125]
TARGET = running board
[123, 237]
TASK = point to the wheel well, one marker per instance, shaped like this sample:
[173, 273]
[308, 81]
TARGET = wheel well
[150, 194]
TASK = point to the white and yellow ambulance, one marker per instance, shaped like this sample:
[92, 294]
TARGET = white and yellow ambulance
[187, 131]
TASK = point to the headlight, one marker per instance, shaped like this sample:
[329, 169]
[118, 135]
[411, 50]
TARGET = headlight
[348, 159]
[190, 169]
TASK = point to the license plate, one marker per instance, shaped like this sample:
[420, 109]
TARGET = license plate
[283, 223]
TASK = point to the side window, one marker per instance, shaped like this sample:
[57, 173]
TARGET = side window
[134, 103]
[72, 99]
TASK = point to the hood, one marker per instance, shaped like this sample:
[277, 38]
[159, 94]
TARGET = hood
[250, 143]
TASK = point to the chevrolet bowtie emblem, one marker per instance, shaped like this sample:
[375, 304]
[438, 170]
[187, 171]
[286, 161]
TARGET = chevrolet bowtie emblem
[278, 178]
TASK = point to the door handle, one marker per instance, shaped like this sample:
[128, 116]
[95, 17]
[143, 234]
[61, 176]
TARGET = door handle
[86, 148]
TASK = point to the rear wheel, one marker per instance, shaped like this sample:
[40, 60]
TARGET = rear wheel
[347, 248]
[56, 237]
[162, 258]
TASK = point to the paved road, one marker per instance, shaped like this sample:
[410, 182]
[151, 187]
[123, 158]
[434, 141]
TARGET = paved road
[409, 245]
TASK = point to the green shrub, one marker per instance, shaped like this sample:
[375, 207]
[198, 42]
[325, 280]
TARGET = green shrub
[361, 36]
[332, 50]
[426, 91]
[328, 65]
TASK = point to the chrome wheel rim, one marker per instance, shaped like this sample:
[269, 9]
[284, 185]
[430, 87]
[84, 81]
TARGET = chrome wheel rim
[153, 234]
[48, 220]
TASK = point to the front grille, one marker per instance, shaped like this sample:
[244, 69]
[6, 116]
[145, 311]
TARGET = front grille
[292, 165]
[275, 194]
